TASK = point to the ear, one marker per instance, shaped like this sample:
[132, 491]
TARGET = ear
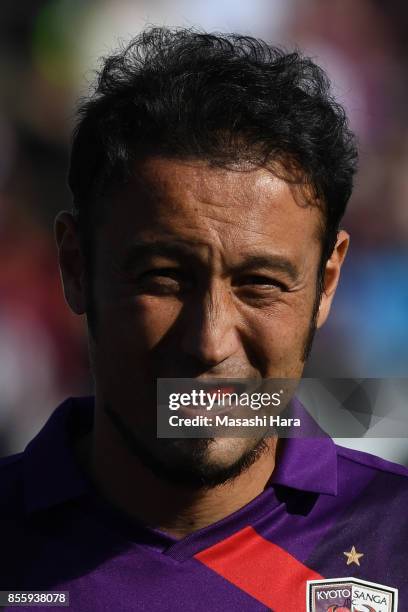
[71, 261]
[332, 275]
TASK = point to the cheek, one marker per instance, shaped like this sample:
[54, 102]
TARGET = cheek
[148, 320]
[138, 325]
[278, 336]
[123, 355]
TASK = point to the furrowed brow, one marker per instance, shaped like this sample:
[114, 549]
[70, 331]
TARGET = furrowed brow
[144, 249]
[272, 262]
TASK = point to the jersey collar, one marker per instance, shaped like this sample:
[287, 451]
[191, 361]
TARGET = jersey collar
[307, 462]
[53, 476]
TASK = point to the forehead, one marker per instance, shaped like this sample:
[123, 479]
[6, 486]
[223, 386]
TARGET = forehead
[224, 207]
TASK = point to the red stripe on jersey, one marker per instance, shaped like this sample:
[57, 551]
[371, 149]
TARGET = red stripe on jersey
[262, 569]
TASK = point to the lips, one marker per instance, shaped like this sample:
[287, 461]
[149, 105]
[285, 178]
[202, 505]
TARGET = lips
[226, 384]
[233, 388]
[215, 397]
[205, 396]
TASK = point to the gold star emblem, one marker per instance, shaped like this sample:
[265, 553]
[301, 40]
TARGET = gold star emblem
[353, 556]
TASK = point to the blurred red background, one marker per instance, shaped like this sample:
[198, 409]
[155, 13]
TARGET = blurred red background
[48, 50]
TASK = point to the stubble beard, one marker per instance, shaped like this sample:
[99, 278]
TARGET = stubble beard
[184, 461]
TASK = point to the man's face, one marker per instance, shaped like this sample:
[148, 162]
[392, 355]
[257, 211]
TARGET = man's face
[199, 272]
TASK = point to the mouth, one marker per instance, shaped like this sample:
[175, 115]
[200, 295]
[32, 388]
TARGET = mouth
[215, 396]
[215, 388]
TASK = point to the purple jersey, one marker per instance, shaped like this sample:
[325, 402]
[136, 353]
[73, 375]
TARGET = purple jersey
[327, 513]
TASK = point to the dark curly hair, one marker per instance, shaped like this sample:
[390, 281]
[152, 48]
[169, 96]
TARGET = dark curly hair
[222, 98]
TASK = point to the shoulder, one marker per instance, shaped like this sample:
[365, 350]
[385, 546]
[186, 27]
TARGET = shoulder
[11, 470]
[366, 461]
[11, 485]
[376, 478]
[12, 518]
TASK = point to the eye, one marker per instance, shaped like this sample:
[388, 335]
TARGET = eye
[261, 282]
[163, 281]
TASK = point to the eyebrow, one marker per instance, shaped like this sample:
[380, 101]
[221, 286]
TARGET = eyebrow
[142, 249]
[183, 250]
[275, 262]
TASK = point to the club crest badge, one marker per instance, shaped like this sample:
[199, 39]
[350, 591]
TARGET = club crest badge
[350, 595]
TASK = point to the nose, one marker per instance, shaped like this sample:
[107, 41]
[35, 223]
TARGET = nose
[210, 332]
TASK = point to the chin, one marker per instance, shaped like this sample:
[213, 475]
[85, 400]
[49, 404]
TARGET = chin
[199, 463]
[193, 462]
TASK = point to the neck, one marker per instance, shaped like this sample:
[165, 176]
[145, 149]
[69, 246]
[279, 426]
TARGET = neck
[174, 509]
